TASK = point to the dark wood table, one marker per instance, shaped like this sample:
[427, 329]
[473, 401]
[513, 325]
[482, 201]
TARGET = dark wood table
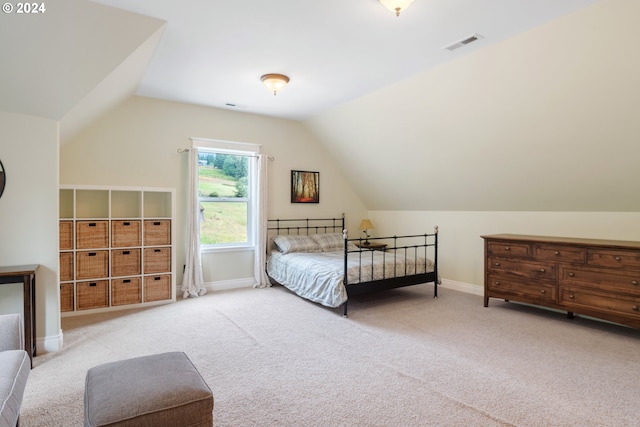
[25, 274]
[372, 246]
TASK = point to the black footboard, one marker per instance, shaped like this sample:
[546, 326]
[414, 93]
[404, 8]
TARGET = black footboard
[398, 251]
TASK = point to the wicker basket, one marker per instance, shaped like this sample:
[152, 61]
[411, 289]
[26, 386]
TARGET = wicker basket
[66, 235]
[126, 233]
[125, 262]
[92, 264]
[66, 266]
[157, 260]
[126, 291]
[157, 232]
[157, 288]
[66, 297]
[94, 294]
[92, 234]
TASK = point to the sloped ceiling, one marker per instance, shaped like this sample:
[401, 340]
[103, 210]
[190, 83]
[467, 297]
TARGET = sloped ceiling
[213, 52]
[543, 116]
[57, 60]
[544, 121]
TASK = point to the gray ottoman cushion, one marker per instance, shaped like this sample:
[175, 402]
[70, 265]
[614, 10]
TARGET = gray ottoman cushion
[158, 390]
[14, 371]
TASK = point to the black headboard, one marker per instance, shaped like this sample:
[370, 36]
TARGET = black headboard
[305, 226]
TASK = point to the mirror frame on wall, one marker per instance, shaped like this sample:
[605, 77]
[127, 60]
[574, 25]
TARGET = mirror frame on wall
[3, 178]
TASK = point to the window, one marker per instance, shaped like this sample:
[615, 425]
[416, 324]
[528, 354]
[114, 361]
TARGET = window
[225, 183]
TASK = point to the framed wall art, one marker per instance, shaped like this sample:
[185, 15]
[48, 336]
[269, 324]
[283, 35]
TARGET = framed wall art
[305, 187]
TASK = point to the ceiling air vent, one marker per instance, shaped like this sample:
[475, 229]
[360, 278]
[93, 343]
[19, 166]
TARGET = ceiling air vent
[233, 105]
[463, 42]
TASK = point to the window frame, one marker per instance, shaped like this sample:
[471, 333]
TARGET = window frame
[251, 201]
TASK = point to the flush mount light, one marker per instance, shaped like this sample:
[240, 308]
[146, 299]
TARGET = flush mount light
[396, 6]
[275, 82]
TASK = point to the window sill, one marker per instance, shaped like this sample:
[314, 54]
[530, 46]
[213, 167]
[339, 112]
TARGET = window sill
[230, 248]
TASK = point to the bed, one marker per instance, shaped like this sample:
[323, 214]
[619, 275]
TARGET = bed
[316, 259]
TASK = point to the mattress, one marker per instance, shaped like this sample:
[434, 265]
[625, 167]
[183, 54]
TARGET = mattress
[319, 276]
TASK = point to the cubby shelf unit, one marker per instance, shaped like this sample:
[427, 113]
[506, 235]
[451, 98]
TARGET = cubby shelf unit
[117, 248]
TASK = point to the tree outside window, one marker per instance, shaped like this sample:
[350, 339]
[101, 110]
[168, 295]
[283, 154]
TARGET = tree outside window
[224, 196]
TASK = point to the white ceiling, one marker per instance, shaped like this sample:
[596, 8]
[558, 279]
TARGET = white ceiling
[213, 52]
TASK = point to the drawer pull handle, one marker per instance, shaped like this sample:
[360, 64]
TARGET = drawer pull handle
[542, 291]
[126, 224]
[634, 282]
[157, 278]
[93, 284]
[157, 223]
[634, 308]
[571, 296]
[126, 281]
[618, 258]
[542, 270]
[571, 274]
[92, 254]
[556, 253]
[497, 283]
[126, 252]
[157, 251]
[92, 224]
[497, 264]
[507, 248]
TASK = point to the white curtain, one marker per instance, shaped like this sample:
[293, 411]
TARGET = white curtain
[192, 280]
[259, 272]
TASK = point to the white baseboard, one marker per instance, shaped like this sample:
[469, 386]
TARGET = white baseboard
[50, 344]
[225, 285]
[462, 287]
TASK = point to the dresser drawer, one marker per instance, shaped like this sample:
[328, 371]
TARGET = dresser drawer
[613, 258]
[559, 253]
[604, 280]
[588, 300]
[507, 287]
[521, 268]
[509, 249]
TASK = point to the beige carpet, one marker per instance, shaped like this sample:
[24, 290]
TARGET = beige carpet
[400, 359]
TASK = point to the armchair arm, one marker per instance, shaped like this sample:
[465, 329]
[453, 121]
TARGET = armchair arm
[11, 333]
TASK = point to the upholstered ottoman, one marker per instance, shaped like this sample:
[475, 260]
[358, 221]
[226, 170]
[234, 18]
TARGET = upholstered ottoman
[158, 390]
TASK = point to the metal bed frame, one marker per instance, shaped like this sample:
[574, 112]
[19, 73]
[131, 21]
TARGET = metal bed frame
[418, 244]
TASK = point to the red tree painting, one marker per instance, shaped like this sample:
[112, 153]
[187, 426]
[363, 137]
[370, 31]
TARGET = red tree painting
[305, 187]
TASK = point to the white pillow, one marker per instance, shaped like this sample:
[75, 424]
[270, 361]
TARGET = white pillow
[295, 243]
[329, 242]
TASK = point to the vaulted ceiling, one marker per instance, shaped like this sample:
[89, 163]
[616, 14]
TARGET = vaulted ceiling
[537, 114]
[213, 52]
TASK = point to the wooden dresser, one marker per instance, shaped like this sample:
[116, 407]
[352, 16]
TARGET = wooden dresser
[598, 278]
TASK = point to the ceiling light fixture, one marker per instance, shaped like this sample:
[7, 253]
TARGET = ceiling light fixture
[396, 6]
[275, 82]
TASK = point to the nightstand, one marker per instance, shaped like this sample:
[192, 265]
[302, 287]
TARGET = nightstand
[372, 246]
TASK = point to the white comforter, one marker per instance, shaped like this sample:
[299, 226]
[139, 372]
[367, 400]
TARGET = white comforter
[319, 276]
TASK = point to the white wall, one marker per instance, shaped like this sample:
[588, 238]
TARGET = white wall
[537, 134]
[29, 217]
[136, 145]
[461, 250]
[543, 121]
